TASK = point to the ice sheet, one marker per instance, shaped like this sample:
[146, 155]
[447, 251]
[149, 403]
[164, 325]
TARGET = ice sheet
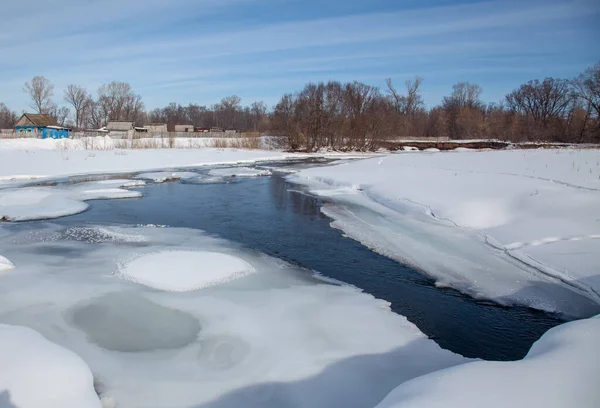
[275, 337]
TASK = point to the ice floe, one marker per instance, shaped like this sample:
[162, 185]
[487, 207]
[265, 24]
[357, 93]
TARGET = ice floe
[35, 203]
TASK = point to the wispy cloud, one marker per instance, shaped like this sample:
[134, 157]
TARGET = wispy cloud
[190, 50]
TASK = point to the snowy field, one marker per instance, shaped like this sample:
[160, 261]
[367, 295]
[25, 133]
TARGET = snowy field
[147, 316]
[516, 227]
[34, 158]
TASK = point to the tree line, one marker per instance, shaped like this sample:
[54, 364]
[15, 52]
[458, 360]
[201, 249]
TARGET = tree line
[351, 115]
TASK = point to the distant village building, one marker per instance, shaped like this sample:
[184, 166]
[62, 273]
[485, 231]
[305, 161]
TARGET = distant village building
[157, 128]
[40, 126]
[119, 129]
[184, 128]
[119, 126]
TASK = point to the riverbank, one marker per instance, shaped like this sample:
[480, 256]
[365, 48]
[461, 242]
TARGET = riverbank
[515, 227]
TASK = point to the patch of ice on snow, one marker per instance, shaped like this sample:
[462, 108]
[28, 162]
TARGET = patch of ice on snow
[181, 271]
[36, 373]
[562, 369]
[149, 326]
[239, 172]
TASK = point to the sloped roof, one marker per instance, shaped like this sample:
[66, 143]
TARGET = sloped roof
[35, 119]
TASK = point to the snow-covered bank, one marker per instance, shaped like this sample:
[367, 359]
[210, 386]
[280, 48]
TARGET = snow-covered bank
[561, 370]
[512, 226]
[21, 165]
[36, 373]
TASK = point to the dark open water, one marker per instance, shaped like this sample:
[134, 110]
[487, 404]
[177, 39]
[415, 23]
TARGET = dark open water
[264, 215]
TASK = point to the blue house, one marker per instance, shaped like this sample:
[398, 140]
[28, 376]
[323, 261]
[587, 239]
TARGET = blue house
[40, 126]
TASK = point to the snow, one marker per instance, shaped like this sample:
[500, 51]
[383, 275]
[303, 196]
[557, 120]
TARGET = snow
[276, 337]
[516, 227]
[35, 203]
[162, 176]
[562, 369]
[23, 159]
[36, 373]
[239, 172]
[5, 265]
[182, 271]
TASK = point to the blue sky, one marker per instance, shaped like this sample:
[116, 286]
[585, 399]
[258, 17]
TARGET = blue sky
[201, 50]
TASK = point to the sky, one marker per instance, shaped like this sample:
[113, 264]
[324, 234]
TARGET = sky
[198, 51]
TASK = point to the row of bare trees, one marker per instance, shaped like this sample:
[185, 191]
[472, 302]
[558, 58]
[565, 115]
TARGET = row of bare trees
[353, 115]
[358, 116]
[113, 101]
[227, 114]
[333, 115]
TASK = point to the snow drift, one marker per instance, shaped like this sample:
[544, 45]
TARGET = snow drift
[36, 373]
[561, 370]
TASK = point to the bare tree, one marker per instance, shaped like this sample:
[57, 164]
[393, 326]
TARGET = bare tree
[285, 121]
[542, 101]
[8, 118]
[398, 100]
[227, 110]
[61, 114]
[587, 89]
[466, 95]
[258, 113]
[77, 97]
[117, 101]
[40, 90]
[414, 101]
[358, 100]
